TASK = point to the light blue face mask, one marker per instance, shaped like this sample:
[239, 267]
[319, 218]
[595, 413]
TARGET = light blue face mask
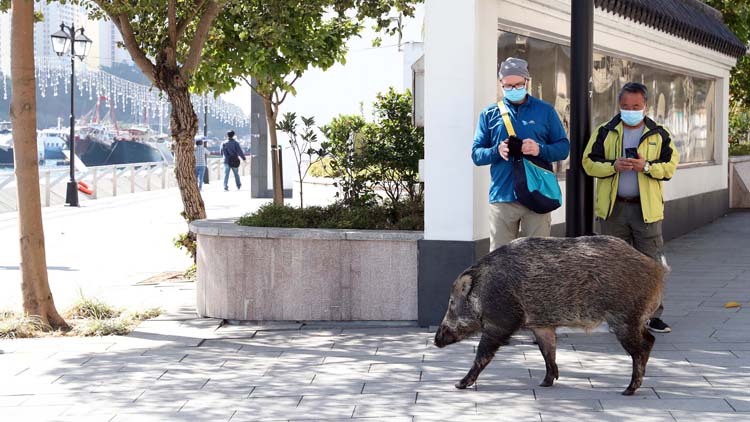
[515, 95]
[631, 117]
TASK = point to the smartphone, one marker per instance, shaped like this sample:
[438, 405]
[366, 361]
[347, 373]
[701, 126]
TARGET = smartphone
[514, 146]
[631, 152]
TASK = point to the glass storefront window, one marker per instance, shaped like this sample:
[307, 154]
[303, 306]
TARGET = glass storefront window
[684, 104]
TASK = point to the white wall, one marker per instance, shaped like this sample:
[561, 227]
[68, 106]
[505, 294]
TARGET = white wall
[459, 82]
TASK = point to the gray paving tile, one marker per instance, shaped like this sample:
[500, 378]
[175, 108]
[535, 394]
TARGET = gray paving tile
[691, 404]
[605, 416]
[685, 416]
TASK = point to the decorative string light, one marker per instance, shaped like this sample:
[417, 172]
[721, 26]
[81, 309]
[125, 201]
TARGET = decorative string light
[128, 96]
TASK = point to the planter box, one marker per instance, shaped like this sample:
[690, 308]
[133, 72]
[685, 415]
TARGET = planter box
[739, 181]
[265, 274]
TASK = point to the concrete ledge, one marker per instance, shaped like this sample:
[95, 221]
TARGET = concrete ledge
[739, 181]
[229, 228]
[273, 274]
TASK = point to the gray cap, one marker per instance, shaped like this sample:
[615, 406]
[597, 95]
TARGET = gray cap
[513, 66]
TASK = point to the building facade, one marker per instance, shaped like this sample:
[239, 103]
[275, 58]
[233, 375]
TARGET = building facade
[687, 75]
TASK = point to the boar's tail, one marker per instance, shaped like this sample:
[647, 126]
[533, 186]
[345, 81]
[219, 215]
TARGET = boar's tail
[664, 265]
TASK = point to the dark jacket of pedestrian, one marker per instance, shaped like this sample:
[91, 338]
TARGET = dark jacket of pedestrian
[231, 148]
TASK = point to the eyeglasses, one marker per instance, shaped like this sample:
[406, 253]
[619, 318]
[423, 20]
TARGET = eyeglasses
[518, 86]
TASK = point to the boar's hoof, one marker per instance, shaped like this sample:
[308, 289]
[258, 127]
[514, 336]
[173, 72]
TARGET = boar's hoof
[547, 382]
[461, 385]
[628, 391]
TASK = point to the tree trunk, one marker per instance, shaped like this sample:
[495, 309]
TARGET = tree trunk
[184, 125]
[301, 203]
[278, 190]
[37, 296]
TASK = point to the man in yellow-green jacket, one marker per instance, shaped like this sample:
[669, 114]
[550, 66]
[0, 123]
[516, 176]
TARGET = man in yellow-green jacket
[630, 156]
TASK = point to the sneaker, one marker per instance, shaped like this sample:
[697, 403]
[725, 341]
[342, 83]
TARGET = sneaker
[656, 325]
[226, 189]
[239, 186]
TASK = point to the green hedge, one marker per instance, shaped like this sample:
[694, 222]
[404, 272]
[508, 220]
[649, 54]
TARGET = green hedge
[739, 149]
[401, 216]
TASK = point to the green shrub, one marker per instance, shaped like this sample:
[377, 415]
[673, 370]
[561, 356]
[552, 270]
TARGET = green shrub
[737, 148]
[321, 168]
[401, 216]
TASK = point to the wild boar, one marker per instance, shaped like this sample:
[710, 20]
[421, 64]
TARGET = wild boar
[544, 283]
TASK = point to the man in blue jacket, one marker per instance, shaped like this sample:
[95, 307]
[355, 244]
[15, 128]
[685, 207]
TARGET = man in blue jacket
[538, 125]
[232, 152]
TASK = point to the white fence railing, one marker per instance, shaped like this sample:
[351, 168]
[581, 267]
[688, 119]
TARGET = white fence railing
[105, 181]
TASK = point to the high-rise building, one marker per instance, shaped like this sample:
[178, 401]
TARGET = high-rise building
[5, 43]
[104, 35]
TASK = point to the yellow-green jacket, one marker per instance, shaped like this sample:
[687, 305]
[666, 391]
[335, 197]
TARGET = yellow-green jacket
[603, 149]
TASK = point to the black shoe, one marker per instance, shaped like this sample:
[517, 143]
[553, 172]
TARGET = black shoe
[226, 189]
[238, 187]
[656, 325]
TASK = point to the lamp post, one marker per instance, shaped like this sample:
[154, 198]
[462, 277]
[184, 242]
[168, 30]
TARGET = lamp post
[68, 37]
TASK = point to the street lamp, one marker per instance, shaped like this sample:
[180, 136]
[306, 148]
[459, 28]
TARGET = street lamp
[68, 38]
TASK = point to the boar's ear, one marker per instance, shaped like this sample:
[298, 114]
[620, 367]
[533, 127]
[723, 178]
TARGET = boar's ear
[463, 287]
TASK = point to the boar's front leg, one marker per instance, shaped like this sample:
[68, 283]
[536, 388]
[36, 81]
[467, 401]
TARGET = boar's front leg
[547, 340]
[488, 345]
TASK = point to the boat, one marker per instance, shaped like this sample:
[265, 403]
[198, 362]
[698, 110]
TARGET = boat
[102, 142]
[6, 146]
[55, 141]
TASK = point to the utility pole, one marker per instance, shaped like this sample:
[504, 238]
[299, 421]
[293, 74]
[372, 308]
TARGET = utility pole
[579, 195]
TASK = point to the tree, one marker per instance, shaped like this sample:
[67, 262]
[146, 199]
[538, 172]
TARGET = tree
[394, 147]
[166, 39]
[344, 148]
[301, 144]
[273, 42]
[736, 15]
[37, 296]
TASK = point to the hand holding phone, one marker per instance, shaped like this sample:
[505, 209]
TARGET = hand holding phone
[514, 145]
[631, 152]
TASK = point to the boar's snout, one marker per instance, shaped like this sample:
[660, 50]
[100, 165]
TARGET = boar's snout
[444, 336]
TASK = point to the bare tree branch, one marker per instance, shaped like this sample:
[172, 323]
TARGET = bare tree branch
[183, 24]
[290, 84]
[249, 83]
[171, 49]
[201, 34]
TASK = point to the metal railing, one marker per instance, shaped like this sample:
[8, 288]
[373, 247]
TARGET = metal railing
[105, 181]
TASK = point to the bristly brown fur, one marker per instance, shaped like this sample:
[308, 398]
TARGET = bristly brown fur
[544, 283]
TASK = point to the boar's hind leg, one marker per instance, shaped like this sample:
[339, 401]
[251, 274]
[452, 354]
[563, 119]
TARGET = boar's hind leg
[488, 345]
[547, 340]
[637, 341]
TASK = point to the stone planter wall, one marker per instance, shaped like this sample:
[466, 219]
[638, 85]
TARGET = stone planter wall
[264, 274]
[739, 181]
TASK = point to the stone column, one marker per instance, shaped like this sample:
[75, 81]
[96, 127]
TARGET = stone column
[460, 80]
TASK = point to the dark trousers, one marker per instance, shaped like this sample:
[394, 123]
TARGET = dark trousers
[626, 222]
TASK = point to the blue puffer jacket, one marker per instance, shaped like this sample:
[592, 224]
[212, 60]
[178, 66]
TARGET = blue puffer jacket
[534, 119]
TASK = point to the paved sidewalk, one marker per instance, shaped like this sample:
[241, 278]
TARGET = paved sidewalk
[105, 247]
[179, 368]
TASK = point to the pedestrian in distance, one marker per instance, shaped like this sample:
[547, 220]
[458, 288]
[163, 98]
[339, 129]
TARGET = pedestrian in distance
[630, 156]
[232, 152]
[201, 162]
[537, 134]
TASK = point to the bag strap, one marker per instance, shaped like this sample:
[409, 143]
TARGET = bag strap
[506, 118]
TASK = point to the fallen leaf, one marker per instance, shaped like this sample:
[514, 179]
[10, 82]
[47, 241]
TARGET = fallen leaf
[732, 305]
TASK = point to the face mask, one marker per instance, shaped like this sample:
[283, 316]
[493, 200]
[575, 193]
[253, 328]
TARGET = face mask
[515, 95]
[631, 117]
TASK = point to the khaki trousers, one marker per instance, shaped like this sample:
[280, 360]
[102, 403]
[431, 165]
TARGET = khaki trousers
[626, 222]
[511, 220]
